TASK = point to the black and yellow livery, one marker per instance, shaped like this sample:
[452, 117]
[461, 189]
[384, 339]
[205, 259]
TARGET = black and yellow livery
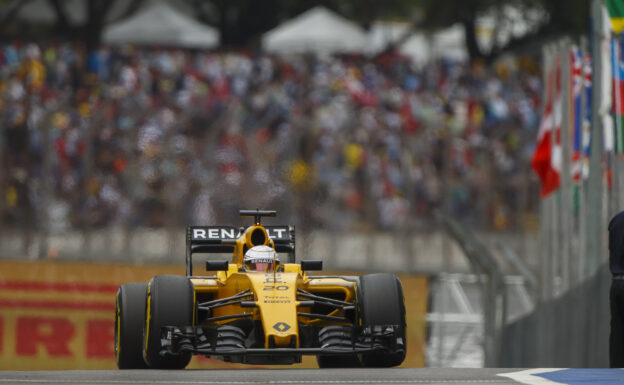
[267, 317]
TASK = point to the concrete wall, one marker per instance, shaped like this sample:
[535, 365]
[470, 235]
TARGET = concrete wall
[427, 253]
[570, 331]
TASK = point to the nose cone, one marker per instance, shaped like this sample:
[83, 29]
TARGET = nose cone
[276, 298]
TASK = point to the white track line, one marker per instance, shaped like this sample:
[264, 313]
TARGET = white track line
[528, 376]
[46, 381]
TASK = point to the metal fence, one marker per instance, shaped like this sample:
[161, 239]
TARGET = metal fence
[455, 321]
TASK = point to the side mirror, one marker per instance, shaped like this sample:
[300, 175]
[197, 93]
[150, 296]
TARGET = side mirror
[312, 265]
[217, 265]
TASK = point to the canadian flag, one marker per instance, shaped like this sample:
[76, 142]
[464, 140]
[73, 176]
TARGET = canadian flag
[547, 157]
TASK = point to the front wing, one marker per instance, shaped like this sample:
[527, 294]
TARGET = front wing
[227, 343]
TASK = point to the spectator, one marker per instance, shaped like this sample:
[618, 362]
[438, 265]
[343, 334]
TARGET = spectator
[375, 143]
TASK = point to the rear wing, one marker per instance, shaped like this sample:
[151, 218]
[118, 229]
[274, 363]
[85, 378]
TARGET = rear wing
[221, 239]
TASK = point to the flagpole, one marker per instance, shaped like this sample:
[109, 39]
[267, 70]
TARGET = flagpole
[550, 201]
[582, 188]
[556, 163]
[577, 86]
[545, 218]
[566, 205]
[595, 221]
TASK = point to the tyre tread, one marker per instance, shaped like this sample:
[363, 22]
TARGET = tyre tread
[171, 304]
[130, 302]
[383, 304]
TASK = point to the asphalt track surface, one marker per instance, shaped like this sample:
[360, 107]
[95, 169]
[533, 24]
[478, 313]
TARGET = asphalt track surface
[314, 376]
[276, 377]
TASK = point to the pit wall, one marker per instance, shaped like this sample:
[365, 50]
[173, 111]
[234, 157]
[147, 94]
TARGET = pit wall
[60, 315]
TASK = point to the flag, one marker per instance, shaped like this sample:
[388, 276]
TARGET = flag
[586, 137]
[607, 48]
[604, 109]
[547, 156]
[618, 95]
[615, 8]
[576, 65]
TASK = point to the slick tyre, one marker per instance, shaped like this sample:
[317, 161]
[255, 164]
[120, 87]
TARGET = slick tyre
[129, 319]
[382, 303]
[169, 303]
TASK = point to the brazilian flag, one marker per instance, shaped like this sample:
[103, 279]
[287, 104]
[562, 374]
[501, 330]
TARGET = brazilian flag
[615, 8]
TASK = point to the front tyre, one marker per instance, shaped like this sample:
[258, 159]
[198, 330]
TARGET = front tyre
[129, 319]
[382, 303]
[170, 301]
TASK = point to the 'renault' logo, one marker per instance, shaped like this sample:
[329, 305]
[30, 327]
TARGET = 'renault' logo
[281, 326]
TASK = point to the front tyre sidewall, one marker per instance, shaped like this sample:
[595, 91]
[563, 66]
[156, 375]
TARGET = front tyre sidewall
[170, 301]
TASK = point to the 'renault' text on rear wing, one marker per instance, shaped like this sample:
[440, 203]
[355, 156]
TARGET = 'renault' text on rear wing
[221, 239]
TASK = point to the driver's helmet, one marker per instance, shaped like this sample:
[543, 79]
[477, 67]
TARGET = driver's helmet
[260, 258]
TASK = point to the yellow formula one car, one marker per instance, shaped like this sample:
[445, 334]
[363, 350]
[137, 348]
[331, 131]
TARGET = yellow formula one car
[258, 310]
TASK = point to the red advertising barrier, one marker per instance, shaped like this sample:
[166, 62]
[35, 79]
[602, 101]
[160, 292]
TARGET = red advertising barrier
[60, 315]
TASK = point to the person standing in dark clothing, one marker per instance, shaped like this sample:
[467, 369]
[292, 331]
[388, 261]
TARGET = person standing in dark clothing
[616, 296]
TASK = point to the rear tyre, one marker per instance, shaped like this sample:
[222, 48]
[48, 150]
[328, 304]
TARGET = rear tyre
[382, 303]
[129, 319]
[169, 303]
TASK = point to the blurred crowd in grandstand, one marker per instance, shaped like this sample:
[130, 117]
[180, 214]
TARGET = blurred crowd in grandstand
[166, 137]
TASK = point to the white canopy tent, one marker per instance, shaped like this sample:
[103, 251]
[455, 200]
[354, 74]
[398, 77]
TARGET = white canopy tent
[160, 24]
[317, 30]
[421, 47]
[450, 43]
[383, 33]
